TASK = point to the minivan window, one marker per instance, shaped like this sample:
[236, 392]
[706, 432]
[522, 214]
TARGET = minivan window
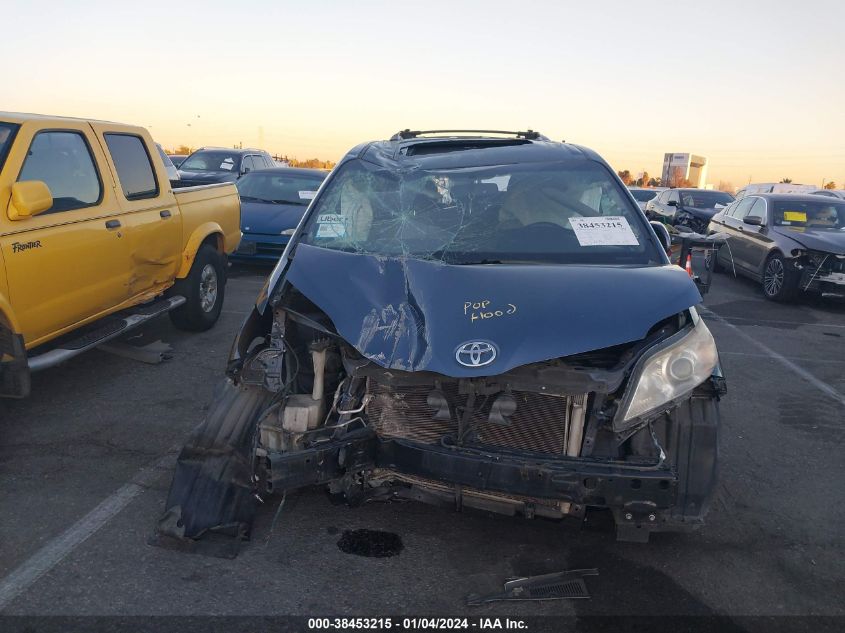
[553, 213]
[133, 165]
[7, 135]
[212, 160]
[63, 161]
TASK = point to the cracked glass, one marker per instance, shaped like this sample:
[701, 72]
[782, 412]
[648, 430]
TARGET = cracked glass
[562, 212]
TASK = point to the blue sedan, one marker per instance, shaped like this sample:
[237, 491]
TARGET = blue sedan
[272, 203]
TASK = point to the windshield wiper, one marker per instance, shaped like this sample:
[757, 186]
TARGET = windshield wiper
[254, 199]
[296, 202]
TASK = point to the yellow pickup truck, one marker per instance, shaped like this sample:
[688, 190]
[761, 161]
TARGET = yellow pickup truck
[95, 240]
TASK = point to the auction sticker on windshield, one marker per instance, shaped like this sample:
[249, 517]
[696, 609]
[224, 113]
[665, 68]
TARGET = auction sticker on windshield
[307, 195]
[331, 225]
[611, 230]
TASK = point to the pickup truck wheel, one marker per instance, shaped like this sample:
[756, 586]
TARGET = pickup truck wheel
[203, 289]
[780, 282]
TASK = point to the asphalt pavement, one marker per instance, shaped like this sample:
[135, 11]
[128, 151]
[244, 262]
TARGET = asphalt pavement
[86, 461]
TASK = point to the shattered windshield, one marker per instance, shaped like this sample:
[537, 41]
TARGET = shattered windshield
[562, 212]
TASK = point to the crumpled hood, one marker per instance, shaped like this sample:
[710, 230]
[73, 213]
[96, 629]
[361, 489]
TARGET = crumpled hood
[413, 315]
[269, 218]
[825, 240]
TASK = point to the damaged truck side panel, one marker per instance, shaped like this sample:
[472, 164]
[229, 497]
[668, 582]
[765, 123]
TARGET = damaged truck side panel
[437, 330]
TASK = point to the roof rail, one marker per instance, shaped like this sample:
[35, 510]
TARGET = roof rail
[530, 135]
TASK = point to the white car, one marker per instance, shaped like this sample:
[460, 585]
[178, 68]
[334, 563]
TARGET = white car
[830, 193]
[643, 194]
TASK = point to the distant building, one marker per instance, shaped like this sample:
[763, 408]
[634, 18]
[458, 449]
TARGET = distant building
[678, 168]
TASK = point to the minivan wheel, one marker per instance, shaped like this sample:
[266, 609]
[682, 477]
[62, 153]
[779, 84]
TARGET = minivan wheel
[780, 283]
[203, 290]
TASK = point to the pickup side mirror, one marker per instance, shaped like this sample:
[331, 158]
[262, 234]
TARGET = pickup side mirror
[753, 220]
[29, 198]
[673, 203]
[245, 171]
[662, 235]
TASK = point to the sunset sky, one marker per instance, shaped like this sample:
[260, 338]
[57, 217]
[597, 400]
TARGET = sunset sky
[757, 87]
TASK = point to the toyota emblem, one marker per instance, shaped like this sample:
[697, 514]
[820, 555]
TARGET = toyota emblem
[476, 354]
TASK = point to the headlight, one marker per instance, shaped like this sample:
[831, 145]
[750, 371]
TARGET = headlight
[671, 372]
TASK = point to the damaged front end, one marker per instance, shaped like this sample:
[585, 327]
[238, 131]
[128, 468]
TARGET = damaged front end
[302, 406]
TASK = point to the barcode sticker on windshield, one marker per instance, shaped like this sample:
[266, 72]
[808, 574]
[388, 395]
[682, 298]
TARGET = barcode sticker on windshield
[307, 195]
[611, 230]
[331, 225]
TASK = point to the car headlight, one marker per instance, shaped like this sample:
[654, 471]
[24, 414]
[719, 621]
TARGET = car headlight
[670, 372]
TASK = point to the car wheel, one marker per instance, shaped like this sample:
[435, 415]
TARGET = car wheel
[203, 290]
[780, 283]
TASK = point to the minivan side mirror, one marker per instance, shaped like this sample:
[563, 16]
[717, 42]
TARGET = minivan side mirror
[753, 220]
[29, 198]
[662, 235]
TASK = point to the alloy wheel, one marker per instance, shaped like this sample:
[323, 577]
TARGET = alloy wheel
[773, 277]
[208, 288]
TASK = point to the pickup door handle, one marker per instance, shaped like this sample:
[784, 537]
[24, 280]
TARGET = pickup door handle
[165, 214]
[113, 224]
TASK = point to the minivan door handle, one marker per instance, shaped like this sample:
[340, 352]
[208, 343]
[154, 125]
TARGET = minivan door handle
[164, 214]
[113, 224]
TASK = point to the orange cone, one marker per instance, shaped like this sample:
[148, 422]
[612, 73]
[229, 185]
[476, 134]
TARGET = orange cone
[688, 266]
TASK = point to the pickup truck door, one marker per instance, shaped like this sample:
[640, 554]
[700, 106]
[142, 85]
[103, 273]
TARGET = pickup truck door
[151, 215]
[67, 264]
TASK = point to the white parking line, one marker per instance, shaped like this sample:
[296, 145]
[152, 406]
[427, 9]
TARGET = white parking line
[818, 384]
[57, 549]
[833, 361]
[763, 321]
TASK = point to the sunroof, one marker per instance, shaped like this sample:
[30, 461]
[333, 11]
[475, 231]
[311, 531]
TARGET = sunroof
[458, 145]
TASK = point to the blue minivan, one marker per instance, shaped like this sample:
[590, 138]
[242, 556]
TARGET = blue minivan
[472, 319]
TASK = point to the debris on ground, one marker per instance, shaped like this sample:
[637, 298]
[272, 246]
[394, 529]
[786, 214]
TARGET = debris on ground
[556, 586]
